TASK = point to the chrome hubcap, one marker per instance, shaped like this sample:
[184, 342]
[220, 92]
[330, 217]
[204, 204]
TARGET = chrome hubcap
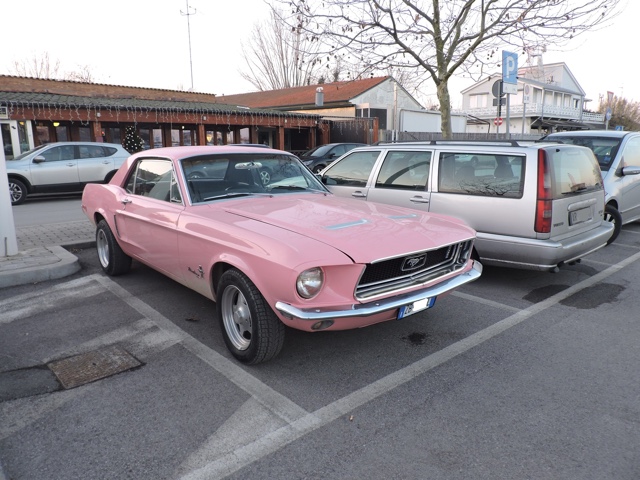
[236, 317]
[102, 245]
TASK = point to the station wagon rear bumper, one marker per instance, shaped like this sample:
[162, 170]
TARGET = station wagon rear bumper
[536, 254]
[361, 314]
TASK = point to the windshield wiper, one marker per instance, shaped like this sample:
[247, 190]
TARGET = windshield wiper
[228, 195]
[287, 187]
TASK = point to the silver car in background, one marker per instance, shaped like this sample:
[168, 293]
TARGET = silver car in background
[618, 154]
[62, 167]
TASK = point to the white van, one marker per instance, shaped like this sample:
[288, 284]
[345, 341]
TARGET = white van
[535, 206]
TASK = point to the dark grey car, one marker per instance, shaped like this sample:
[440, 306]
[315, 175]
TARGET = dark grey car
[318, 158]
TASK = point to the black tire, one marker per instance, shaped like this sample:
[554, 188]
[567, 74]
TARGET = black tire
[251, 331]
[112, 259]
[611, 214]
[318, 168]
[17, 191]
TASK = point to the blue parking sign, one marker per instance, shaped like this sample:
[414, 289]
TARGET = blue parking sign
[509, 67]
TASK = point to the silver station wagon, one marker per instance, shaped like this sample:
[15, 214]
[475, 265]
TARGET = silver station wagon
[534, 206]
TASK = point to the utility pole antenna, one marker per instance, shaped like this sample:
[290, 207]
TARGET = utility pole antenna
[187, 14]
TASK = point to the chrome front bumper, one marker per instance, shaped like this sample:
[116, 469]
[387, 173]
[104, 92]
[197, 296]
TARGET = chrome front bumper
[381, 306]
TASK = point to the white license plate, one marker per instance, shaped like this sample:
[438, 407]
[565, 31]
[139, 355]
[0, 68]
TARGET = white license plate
[580, 216]
[416, 307]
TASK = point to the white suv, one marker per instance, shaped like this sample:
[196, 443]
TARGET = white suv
[62, 167]
[534, 206]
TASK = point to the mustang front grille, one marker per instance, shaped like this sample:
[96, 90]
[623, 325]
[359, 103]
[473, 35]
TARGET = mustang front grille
[407, 271]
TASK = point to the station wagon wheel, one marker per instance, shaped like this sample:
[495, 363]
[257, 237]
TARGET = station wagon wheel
[611, 214]
[18, 191]
[251, 330]
[112, 259]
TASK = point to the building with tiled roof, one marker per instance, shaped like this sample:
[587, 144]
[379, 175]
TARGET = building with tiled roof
[377, 97]
[35, 111]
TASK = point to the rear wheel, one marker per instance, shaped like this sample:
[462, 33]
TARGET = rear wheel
[112, 259]
[251, 331]
[611, 214]
[17, 191]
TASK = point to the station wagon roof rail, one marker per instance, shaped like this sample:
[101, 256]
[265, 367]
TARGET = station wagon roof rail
[506, 143]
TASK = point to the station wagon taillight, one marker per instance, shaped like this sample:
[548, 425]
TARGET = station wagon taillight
[544, 198]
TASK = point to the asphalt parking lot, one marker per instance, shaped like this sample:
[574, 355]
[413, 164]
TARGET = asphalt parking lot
[518, 375]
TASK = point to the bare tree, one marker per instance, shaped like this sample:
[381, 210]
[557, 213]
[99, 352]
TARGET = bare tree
[37, 67]
[625, 113]
[434, 39]
[42, 66]
[279, 56]
[82, 74]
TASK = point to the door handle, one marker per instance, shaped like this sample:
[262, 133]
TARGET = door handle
[359, 194]
[125, 201]
[419, 200]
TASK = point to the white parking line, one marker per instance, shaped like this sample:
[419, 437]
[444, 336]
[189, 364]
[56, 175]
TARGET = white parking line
[277, 403]
[485, 301]
[247, 454]
[28, 304]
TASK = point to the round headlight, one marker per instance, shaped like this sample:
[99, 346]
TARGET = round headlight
[310, 282]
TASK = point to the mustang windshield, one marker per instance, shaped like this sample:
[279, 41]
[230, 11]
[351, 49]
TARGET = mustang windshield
[213, 177]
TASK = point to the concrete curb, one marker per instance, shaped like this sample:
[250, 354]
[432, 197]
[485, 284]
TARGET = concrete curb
[37, 265]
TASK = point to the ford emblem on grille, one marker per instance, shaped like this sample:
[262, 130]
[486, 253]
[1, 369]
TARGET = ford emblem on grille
[411, 263]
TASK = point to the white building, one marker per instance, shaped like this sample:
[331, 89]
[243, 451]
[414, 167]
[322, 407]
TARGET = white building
[549, 99]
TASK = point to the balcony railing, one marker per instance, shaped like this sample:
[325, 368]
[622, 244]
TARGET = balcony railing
[535, 110]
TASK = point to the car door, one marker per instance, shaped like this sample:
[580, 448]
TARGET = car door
[629, 184]
[94, 163]
[403, 179]
[349, 177]
[55, 167]
[147, 222]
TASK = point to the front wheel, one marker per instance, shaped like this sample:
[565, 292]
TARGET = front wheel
[611, 214]
[318, 168]
[112, 259]
[251, 331]
[17, 191]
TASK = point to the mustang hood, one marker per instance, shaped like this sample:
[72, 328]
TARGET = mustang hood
[353, 226]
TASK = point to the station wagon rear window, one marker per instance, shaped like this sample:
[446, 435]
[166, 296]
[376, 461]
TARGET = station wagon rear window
[489, 175]
[572, 171]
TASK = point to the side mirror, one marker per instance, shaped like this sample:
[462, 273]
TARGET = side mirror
[39, 159]
[630, 170]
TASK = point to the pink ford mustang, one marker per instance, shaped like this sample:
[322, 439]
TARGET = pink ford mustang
[255, 231]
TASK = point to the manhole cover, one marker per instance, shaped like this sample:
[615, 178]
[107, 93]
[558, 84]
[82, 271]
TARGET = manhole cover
[89, 367]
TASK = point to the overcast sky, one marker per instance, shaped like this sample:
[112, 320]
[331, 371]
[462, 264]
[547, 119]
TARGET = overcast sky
[145, 43]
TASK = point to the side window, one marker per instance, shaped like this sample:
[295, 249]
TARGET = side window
[90, 151]
[57, 154]
[154, 178]
[338, 151]
[489, 175]
[631, 153]
[353, 170]
[404, 170]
